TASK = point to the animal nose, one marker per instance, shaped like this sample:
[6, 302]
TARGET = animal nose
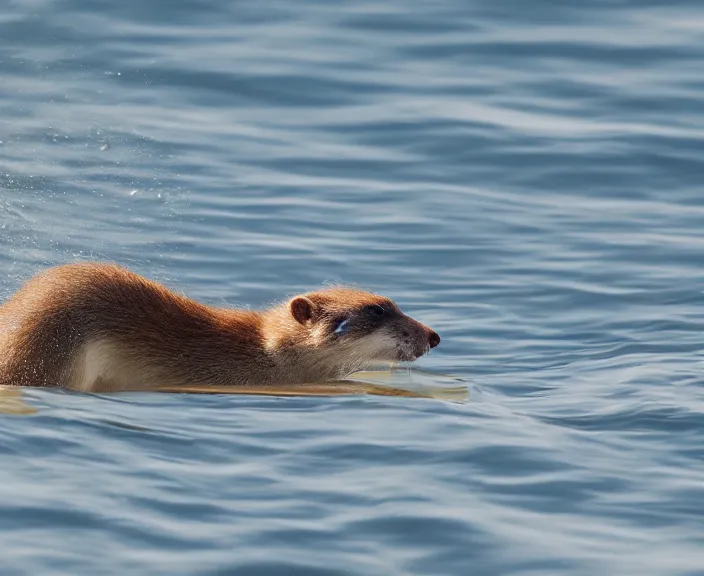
[433, 339]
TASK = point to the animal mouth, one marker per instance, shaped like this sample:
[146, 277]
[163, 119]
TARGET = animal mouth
[406, 355]
[391, 348]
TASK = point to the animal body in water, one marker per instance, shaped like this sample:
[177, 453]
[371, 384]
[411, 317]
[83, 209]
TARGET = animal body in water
[100, 327]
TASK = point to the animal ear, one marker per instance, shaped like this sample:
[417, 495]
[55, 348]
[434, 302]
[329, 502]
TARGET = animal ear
[302, 309]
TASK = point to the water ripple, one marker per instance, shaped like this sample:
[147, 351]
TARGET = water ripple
[526, 181]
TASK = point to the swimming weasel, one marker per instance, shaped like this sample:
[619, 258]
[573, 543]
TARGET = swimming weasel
[100, 327]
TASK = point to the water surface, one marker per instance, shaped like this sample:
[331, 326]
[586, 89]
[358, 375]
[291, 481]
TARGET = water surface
[526, 178]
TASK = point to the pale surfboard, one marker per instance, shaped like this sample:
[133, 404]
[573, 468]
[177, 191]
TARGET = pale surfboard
[12, 402]
[403, 383]
[400, 383]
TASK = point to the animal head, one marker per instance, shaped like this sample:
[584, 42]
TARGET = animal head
[361, 326]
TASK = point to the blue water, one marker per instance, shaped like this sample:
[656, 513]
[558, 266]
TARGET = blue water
[524, 177]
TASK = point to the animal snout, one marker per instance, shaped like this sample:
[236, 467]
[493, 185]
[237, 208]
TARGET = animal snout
[433, 338]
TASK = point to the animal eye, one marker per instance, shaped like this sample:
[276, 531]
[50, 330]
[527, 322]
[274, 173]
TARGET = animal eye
[342, 326]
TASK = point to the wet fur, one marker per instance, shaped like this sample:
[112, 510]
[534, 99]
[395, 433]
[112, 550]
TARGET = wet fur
[99, 327]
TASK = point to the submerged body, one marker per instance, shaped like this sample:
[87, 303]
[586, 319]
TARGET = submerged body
[100, 327]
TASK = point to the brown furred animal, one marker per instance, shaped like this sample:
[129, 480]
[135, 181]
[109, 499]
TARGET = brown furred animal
[100, 327]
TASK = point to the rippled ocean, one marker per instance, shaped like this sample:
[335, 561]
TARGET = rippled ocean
[524, 177]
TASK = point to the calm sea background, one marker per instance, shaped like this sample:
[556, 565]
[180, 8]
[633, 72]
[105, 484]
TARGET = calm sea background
[525, 177]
